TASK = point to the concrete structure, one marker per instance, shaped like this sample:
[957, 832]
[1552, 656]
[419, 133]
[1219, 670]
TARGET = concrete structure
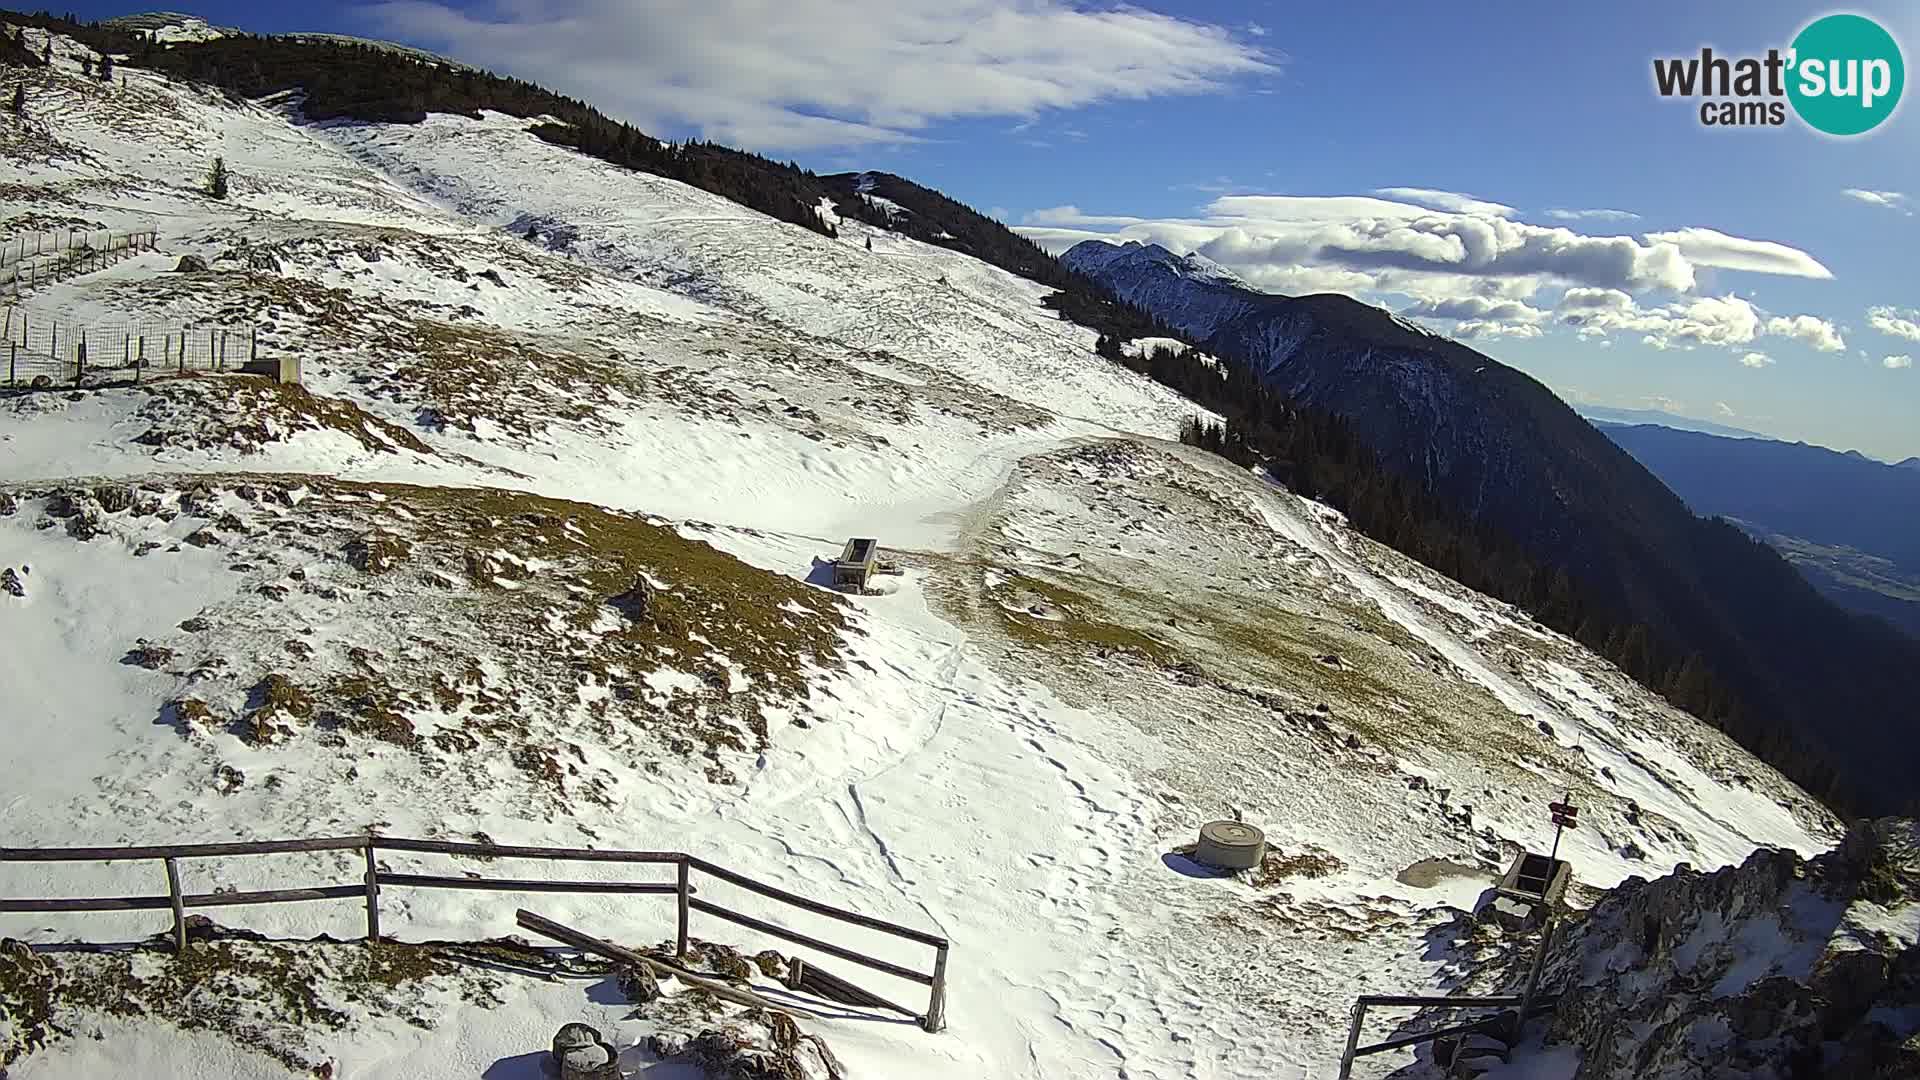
[1230, 845]
[1530, 890]
[858, 562]
[281, 369]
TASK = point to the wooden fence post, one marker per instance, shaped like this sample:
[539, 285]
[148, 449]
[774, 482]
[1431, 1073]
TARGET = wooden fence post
[373, 896]
[179, 906]
[80, 360]
[936, 1018]
[680, 948]
[13, 359]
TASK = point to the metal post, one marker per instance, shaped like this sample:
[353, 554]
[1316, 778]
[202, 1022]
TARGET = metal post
[1533, 977]
[13, 359]
[179, 906]
[80, 360]
[936, 1018]
[1354, 1020]
[373, 896]
[680, 949]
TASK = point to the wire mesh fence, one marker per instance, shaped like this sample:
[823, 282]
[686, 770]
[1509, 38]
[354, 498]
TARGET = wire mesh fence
[44, 351]
[35, 258]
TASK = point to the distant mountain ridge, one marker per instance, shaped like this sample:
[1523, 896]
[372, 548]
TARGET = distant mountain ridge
[1823, 508]
[1608, 414]
[1505, 450]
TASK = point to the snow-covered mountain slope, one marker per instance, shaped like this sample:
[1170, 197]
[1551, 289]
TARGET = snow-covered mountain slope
[536, 555]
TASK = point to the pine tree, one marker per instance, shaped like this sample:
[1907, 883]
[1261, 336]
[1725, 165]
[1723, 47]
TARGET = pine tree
[19, 103]
[86, 66]
[217, 179]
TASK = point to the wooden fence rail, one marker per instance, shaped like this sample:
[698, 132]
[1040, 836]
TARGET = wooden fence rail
[373, 879]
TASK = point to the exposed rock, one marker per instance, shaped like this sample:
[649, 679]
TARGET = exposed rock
[84, 526]
[1777, 968]
[148, 655]
[190, 264]
[11, 583]
[377, 553]
[579, 1053]
[113, 498]
[8, 505]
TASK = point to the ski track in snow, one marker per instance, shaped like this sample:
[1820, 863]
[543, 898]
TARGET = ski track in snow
[953, 785]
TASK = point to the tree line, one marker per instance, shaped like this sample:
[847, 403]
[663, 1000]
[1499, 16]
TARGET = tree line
[360, 81]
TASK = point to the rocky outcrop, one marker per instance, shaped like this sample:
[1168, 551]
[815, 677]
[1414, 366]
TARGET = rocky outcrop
[1777, 968]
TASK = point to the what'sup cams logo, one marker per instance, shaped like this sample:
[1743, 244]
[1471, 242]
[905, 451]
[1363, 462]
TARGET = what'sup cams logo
[1842, 76]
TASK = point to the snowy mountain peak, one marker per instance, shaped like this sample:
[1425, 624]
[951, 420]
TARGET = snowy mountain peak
[171, 26]
[1134, 257]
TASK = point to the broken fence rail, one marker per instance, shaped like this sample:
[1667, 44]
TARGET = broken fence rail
[681, 888]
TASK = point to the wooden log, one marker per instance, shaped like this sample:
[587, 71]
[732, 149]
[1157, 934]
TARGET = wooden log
[510, 851]
[372, 885]
[270, 896]
[798, 938]
[179, 906]
[936, 1018]
[683, 891]
[559, 932]
[435, 881]
[816, 906]
[179, 851]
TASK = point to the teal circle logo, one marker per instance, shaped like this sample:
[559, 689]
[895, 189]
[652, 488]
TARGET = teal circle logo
[1846, 74]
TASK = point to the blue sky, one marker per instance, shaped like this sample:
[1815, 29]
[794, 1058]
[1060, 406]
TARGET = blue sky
[1169, 121]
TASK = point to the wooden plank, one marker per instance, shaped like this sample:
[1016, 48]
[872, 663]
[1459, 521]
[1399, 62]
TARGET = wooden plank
[179, 851]
[192, 900]
[433, 881]
[816, 906]
[560, 932]
[100, 903]
[510, 851]
[797, 938]
[818, 980]
[1415, 1001]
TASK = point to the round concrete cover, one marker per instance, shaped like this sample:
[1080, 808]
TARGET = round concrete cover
[1233, 845]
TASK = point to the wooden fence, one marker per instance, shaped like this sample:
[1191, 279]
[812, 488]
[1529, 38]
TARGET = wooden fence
[33, 344]
[368, 888]
[56, 255]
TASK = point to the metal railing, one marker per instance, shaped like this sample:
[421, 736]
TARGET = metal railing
[178, 901]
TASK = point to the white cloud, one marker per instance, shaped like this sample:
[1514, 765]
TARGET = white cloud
[1756, 360]
[1486, 328]
[1728, 321]
[1895, 322]
[1372, 246]
[1710, 247]
[1896, 363]
[1447, 200]
[1072, 215]
[1809, 330]
[1891, 200]
[812, 73]
[1476, 307]
[1592, 215]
